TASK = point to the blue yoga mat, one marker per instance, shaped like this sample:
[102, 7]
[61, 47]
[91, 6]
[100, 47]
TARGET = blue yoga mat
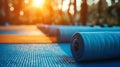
[95, 45]
[44, 55]
[65, 33]
[53, 29]
[21, 32]
[10, 32]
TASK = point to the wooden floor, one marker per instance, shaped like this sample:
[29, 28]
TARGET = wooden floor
[32, 35]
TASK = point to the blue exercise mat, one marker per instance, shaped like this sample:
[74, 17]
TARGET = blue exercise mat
[44, 55]
[95, 45]
[65, 33]
[10, 32]
[21, 32]
[53, 29]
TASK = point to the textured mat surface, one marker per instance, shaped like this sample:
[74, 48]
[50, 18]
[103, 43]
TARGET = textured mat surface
[43, 55]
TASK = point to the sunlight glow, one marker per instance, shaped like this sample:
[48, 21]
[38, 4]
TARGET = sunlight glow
[38, 3]
[65, 5]
[72, 9]
[26, 1]
[11, 8]
[21, 13]
[78, 4]
[109, 2]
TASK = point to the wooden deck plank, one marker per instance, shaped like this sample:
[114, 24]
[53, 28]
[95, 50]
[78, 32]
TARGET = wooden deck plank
[27, 39]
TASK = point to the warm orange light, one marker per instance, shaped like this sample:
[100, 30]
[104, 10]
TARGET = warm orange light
[38, 3]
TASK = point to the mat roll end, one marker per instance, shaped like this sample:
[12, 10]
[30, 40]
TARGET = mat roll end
[77, 46]
[89, 46]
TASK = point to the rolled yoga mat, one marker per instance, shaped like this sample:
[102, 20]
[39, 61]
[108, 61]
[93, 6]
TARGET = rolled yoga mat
[95, 46]
[53, 29]
[65, 33]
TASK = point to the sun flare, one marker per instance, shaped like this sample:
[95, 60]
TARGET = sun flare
[38, 3]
